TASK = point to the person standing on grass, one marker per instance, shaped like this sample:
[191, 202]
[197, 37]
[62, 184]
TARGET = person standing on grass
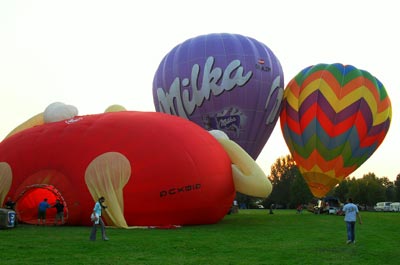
[351, 213]
[270, 208]
[60, 212]
[96, 219]
[43, 206]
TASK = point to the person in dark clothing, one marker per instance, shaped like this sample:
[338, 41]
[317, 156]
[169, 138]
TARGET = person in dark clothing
[10, 204]
[270, 209]
[60, 212]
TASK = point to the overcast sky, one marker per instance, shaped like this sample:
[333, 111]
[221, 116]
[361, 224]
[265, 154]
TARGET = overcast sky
[92, 54]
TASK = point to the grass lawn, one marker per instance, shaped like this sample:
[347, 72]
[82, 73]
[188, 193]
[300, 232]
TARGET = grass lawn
[249, 237]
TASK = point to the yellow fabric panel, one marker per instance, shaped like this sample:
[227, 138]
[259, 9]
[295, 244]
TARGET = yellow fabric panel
[32, 122]
[5, 180]
[106, 176]
[248, 177]
[115, 108]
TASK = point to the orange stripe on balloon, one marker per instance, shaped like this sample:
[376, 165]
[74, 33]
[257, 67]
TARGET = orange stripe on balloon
[384, 105]
[355, 84]
[323, 75]
[315, 159]
[293, 88]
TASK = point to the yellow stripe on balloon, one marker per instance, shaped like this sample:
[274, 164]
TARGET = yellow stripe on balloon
[339, 104]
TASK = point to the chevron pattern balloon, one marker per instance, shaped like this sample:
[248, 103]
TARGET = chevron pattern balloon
[333, 119]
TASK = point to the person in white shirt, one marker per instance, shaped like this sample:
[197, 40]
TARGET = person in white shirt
[96, 219]
[351, 214]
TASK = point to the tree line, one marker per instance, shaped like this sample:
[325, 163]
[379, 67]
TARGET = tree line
[290, 189]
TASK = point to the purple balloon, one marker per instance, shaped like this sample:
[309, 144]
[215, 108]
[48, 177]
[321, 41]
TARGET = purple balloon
[223, 81]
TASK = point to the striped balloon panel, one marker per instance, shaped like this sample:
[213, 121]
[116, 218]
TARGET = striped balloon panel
[333, 119]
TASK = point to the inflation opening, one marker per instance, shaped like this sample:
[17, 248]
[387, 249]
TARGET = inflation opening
[28, 202]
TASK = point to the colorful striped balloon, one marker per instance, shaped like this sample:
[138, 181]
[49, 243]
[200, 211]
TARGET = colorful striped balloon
[333, 119]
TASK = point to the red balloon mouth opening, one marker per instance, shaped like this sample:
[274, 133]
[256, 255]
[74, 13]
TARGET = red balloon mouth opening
[29, 199]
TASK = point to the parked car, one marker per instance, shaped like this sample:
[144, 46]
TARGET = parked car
[382, 206]
[395, 207]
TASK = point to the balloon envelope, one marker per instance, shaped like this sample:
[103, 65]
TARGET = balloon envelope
[153, 169]
[333, 118]
[223, 81]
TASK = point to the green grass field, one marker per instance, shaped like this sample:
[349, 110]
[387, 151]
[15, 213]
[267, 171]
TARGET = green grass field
[249, 237]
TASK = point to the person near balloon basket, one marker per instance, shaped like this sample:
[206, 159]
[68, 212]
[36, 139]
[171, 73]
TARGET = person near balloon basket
[351, 213]
[97, 220]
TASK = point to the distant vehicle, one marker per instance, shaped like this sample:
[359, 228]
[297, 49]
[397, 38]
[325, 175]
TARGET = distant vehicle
[361, 207]
[382, 206]
[256, 205]
[395, 207]
[330, 205]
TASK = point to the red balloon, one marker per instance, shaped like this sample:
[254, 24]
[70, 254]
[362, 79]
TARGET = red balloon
[154, 169]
